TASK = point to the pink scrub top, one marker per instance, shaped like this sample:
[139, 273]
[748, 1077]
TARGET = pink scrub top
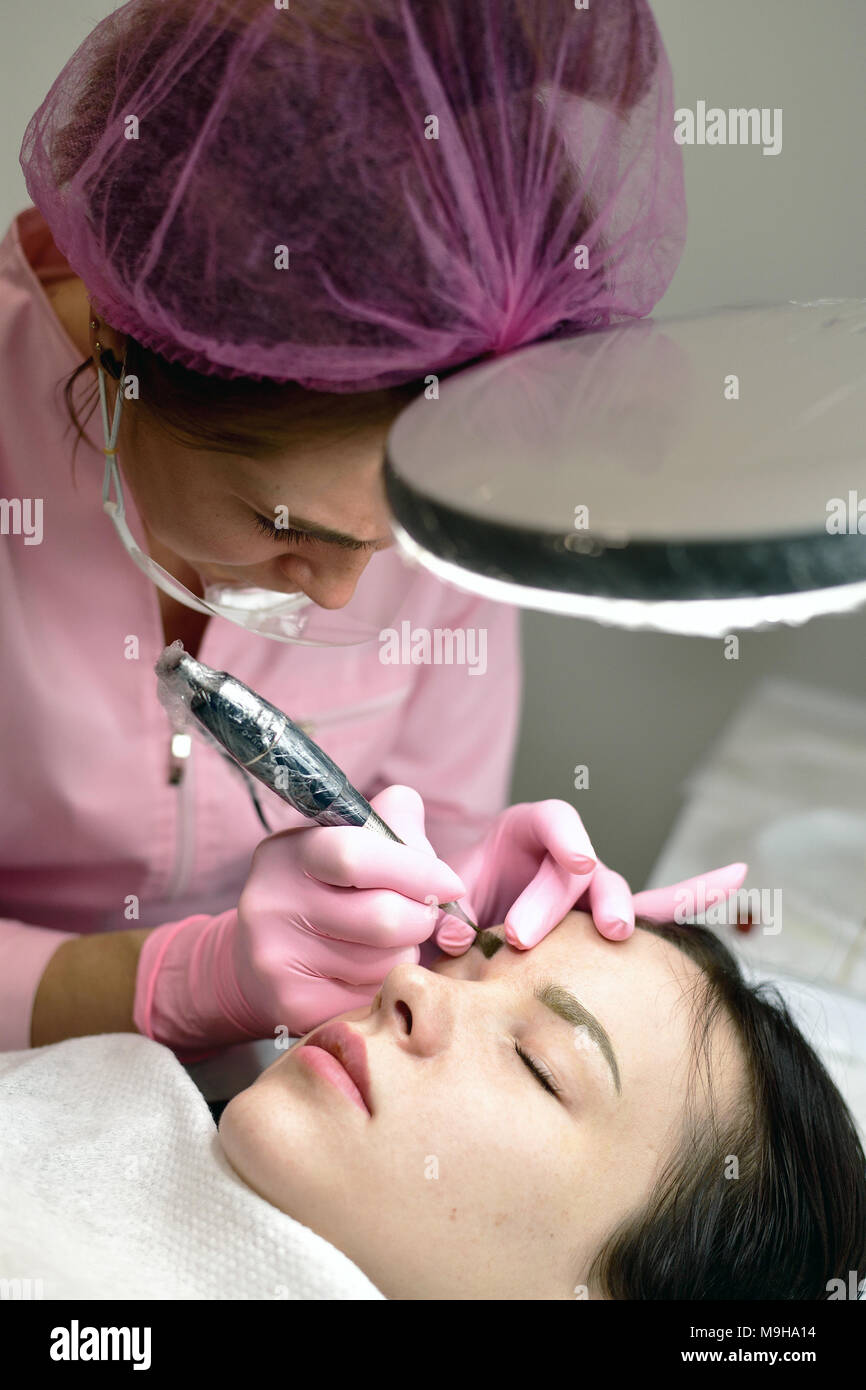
[94, 834]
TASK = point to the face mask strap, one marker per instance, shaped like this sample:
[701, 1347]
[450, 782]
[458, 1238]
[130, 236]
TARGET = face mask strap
[114, 507]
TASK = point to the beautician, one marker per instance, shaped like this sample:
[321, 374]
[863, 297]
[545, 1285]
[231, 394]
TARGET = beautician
[257, 233]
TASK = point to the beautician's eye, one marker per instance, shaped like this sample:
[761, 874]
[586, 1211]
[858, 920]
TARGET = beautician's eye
[280, 533]
[538, 1071]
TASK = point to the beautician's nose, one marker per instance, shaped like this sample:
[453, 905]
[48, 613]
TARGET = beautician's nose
[330, 582]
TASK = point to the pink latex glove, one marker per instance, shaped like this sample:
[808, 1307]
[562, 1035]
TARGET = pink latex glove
[324, 915]
[537, 862]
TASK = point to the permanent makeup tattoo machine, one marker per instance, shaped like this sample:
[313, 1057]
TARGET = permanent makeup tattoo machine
[262, 741]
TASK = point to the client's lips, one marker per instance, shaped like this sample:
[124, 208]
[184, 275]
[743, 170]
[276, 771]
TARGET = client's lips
[350, 1051]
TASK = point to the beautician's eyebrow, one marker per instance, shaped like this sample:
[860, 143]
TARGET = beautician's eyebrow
[324, 533]
[563, 1003]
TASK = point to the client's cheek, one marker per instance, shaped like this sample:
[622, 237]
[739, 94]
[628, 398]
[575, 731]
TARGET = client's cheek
[236, 1129]
[254, 1150]
[463, 1135]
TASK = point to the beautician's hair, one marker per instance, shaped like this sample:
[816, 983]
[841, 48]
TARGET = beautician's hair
[253, 417]
[256, 417]
[794, 1218]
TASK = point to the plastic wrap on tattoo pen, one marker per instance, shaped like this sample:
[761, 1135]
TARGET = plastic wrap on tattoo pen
[260, 738]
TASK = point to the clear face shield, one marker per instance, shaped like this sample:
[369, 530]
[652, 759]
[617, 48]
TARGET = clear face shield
[283, 617]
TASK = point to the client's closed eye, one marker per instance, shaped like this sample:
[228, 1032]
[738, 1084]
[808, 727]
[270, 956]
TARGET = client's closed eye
[540, 1072]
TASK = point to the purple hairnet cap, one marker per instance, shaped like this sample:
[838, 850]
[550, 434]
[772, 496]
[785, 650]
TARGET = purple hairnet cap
[353, 193]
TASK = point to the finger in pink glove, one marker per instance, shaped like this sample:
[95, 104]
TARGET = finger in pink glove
[527, 873]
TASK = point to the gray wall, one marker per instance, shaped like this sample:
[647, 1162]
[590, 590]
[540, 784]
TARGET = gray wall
[640, 709]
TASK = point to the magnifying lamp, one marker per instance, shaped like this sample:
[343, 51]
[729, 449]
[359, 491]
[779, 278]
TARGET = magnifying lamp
[699, 475]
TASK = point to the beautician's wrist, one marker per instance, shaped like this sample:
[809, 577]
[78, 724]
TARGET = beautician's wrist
[186, 994]
[87, 987]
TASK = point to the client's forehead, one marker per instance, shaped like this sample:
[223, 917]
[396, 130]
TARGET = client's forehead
[634, 998]
[577, 939]
[634, 988]
[646, 995]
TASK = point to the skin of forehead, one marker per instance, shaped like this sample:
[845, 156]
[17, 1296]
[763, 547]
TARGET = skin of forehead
[682, 970]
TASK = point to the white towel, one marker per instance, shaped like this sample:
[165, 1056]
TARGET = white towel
[113, 1184]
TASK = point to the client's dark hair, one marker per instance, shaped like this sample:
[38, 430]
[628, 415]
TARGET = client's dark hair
[794, 1216]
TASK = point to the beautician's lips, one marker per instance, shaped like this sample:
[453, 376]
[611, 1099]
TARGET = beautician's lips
[349, 1049]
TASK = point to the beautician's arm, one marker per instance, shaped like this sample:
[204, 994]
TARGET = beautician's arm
[88, 987]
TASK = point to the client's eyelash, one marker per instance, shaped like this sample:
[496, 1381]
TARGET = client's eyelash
[281, 533]
[538, 1070]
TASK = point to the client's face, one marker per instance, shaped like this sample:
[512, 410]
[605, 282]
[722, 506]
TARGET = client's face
[468, 1178]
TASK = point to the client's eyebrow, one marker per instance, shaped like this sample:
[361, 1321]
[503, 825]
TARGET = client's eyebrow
[563, 1003]
[569, 1007]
